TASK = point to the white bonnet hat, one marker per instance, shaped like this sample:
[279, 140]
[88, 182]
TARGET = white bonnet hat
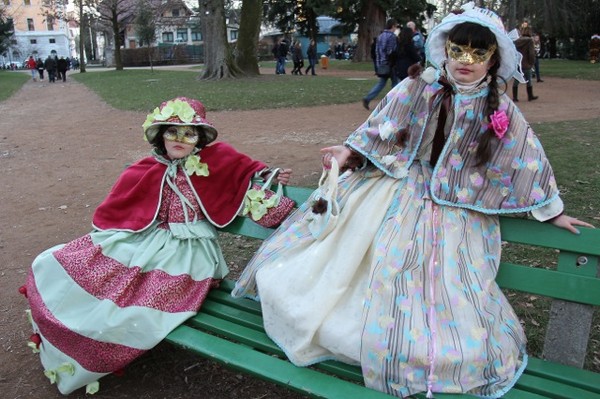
[435, 46]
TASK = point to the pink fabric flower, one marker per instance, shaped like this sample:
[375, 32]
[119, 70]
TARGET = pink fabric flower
[499, 122]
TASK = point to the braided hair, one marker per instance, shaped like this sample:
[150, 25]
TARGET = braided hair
[478, 36]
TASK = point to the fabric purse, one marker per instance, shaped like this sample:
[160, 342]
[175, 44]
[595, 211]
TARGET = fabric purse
[325, 208]
[266, 207]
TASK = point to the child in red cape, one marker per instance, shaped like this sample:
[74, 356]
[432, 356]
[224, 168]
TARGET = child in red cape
[101, 300]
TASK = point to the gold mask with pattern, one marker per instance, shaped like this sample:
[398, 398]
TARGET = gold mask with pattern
[467, 54]
[182, 134]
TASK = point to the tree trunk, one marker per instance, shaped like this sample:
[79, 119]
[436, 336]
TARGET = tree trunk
[81, 38]
[372, 24]
[218, 57]
[247, 42]
[116, 28]
[149, 49]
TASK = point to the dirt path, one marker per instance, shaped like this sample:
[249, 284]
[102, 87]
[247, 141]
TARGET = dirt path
[53, 174]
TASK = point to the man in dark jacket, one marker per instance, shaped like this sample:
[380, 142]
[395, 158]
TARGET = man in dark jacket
[282, 51]
[50, 66]
[62, 65]
[385, 47]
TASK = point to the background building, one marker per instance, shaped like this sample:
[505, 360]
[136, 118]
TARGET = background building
[35, 34]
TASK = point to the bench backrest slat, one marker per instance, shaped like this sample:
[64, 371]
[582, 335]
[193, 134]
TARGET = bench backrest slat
[550, 283]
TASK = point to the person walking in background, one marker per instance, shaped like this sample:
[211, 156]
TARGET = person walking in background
[39, 64]
[311, 54]
[50, 67]
[418, 40]
[406, 54]
[282, 51]
[61, 66]
[31, 64]
[525, 46]
[385, 48]
[297, 58]
[275, 52]
[594, 48]
[537, 44]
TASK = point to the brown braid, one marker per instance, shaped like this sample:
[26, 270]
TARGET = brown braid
[488, 139]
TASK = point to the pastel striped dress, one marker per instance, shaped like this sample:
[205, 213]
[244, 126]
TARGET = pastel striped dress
[402, 286]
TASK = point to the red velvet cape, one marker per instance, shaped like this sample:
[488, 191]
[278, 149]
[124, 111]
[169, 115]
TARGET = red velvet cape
[134, 200]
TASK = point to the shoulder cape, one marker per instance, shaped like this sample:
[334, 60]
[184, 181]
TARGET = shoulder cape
[518, 177]
[133, 202]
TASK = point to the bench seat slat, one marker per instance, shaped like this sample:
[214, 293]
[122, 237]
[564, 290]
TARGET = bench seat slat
[553, 389]
[224, 296]
[541, 379]
[579, 378]
[232, 314]
[262, 342]
[305, 380]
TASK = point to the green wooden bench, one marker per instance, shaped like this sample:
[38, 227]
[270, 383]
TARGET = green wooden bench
[230, 331]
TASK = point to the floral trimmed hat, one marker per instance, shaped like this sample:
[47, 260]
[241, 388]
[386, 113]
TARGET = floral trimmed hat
[180, 111]
[435, 46]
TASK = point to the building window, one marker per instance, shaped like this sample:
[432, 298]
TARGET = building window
[167, 37]
[27, 2]
[52, 41]
[6, 2]
[175, 12]
[233, 35]
[182, 35]
[30, 24]
[196, 36]
[49, 23]
[33, 41]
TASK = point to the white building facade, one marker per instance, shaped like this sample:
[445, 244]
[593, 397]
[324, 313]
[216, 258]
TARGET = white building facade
[35, 34]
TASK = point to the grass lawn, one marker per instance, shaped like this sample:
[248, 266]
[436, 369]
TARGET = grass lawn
[141, 89]
[566, 69]
[11, 82]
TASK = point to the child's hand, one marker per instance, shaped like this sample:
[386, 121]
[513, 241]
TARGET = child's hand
[569, 223]
[339, 152]
[284, 175]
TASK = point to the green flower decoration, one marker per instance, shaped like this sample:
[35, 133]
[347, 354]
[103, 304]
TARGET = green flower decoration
[193, 165]
[52, 376]
[66, 368]
[178, 108]
[33, 346]
[63, 368]
[256, 204]
[92, 388]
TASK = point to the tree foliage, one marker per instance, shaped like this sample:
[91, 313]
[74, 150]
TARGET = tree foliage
[116, 14]
[145, 26]
[7, 29]
[367, 17]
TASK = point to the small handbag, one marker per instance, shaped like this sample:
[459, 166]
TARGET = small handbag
[266, 207]
[325, 208]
